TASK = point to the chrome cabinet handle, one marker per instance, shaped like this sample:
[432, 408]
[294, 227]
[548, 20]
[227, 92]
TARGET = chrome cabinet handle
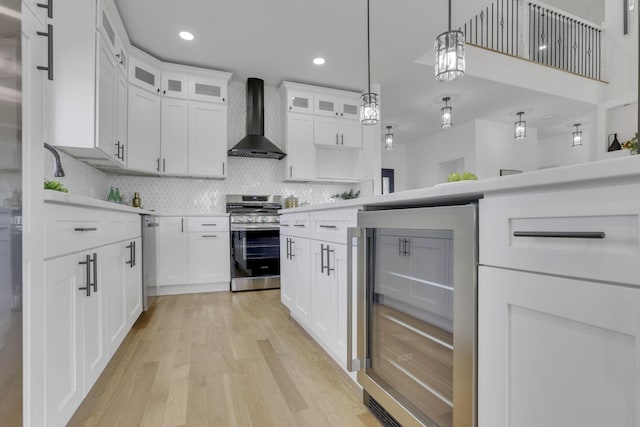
[48, 6]
[321, 259]
[164, 165]
[94, 261]
[134, 253]
[342, 138]
[85, 229]
[328, 226]
[337, 139]
[290, 171]
[182, 225]
[209, 235]
[284, 225]
[562, 234]
[158, 164]
[222, 168]
[299, 225]
[87, 286]
[287, 254]
[122, 158]
[49, 36]
[407, 247]
[209, 225]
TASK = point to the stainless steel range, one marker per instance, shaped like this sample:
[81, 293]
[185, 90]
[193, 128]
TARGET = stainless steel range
[255, 241]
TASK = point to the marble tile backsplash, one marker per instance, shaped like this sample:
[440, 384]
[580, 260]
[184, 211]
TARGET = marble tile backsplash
[190, 196]
[79, 178]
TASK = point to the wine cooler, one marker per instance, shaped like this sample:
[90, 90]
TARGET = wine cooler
[416, 299]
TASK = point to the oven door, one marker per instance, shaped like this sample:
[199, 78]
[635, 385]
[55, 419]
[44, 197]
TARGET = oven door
[255, 258]
[416, 314]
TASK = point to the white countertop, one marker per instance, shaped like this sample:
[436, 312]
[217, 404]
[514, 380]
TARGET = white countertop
[52, 196]
[612, 170]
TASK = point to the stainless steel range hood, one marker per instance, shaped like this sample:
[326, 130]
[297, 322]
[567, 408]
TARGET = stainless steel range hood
[255, 144]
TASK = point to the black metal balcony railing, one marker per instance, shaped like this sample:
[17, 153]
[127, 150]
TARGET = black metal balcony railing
[540, 34]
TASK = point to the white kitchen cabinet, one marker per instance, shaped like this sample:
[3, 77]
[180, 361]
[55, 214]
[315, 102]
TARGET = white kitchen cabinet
[144, 130]
[328, 147]
[192, 254]
[208, 89]
[171, 251]
[300, 165]
[301, 256]
[122, 117]
[204, 248]
[109, 93]
[557, 351]
[63, 337]
[287, 276]
[133, 281]
[93, 310]
[175, 85]
[174, 136]
[207, 140]
[144, 75]
[112, 273]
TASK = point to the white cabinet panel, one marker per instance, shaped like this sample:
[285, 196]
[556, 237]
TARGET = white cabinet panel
[133, 281]
[94, 336]
[323, 309]
[175, 85]
[301, 249]
[144, 75]
[63, 338]
[112, 275]
[174, 137]
[144, 130]
[121, 117]
[326, 131]
[557, 351]
[207, 139]
[287, 273]
[209, 257]
[300, 164]
[172, 247]
[106, 100]
[350, 133]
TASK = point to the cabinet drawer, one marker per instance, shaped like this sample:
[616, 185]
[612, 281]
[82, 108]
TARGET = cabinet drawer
[118, 226]
[70, 229]
[204, 224]
[591, 234]
[331, 226]
[297, 224]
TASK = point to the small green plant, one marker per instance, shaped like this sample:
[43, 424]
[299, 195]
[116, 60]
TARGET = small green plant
[55, 185]
[631, 145]
[347, 195]
[466, 176]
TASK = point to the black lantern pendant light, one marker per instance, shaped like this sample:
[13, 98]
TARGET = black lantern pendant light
[369, 106]
[520, 127]
[577, 136]
[388, 139]
[449, 51]
[447, 119]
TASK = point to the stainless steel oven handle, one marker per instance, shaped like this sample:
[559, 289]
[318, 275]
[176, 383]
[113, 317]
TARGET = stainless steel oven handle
[353, 365]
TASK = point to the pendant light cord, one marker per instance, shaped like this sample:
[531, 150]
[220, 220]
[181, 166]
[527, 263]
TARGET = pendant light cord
[449, 15]
[369, 53]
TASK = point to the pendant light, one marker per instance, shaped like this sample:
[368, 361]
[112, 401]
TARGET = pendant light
[369, 107]
[449, 51]
[388, 139]
[520, 127]
[447, 120]
[577, 136]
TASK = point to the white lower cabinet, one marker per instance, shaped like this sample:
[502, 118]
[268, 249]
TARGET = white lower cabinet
[91, 301]
[171, 251]
[314, 274]
[557, 351]
[192, 254]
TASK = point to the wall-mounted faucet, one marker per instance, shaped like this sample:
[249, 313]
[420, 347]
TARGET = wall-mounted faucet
[57, 166]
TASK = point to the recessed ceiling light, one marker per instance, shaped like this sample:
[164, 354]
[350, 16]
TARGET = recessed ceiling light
[186, 35]
[318, 61]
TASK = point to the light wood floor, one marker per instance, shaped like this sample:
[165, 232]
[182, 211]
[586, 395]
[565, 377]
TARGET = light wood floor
[221, 359]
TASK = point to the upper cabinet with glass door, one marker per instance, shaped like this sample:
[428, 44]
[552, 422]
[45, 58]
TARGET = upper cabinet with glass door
[144, 74]
[337, 106]
[208, 89]
[299, 101]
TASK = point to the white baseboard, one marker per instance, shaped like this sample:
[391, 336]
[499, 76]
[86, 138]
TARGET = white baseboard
[192, 289]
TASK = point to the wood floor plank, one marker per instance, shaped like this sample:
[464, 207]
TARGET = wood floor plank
[221, 359]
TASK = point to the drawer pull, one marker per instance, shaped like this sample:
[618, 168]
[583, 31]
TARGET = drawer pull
[210, 235]
[561, 234]
[85, 229]
[329, 226]
[299, 225]
[284, 225]
[208, 225]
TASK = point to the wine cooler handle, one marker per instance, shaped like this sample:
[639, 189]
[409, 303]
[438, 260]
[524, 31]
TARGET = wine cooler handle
[353, 365]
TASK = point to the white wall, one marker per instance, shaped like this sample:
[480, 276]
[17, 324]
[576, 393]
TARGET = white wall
[621, 51]
[396, 159]
[497, 149]
[423, 158]
[79, 178]
[558, 150]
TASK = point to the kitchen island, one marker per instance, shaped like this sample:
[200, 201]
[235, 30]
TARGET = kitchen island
[558, 291]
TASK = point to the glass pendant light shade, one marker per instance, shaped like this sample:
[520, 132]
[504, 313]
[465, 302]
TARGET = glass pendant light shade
[369, 105]
[447, 118]
[369, 109]
[449, 56]
[520, 127]
[577, 136]
[388, 139]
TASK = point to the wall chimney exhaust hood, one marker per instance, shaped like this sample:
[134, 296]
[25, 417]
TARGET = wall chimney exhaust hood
[255, 144]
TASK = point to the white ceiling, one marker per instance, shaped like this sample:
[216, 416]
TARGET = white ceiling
[277, 39]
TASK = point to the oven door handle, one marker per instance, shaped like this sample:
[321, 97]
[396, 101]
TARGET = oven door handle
[354, 365]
